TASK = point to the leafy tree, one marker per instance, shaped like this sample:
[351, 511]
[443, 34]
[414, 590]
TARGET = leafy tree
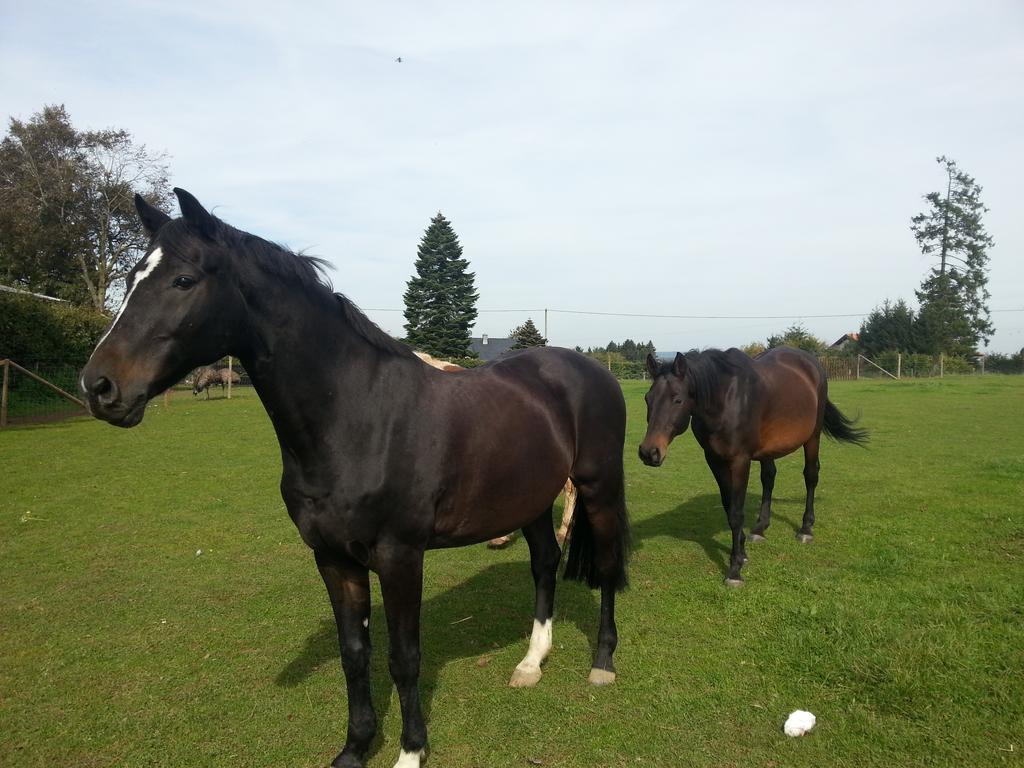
[954, 296]
[754, 348]
[67, 221]
[527, 335]
[889, 328]
[440, 300]
[798, 336]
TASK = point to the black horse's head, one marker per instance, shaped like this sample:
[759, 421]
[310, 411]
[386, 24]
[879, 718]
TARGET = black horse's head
[670, 402]
[182, 308]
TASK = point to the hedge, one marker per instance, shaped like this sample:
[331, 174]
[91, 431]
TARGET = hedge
[34, 330]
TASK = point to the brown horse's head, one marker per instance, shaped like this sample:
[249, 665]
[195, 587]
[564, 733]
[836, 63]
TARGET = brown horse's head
[670, 401]
[180, 310]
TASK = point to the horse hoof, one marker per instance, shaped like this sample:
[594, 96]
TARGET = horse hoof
[410, 759]
[756, 537]
[524, 678]
[601, 677]
[499, 543]
[347, 760]
[804, 538]
[734, 582]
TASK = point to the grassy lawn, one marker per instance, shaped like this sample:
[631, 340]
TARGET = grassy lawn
[158, 608]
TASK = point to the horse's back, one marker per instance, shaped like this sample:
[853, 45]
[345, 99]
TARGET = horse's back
[793, 384]
[511, 432]
[578, 386]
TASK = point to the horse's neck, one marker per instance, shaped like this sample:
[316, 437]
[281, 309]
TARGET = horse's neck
[318, 378]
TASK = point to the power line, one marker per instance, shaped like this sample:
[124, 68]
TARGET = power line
[675, 317]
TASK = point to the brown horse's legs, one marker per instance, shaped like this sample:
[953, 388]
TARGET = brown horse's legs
[764, 518]
[348, 586]
[401, 585]
[544, 558]
[603, 670]
[811, 469]
[732, 476]
[607, 518]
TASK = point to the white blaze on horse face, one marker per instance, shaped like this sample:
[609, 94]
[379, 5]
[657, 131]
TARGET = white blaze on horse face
[152, 261]
[409, 759]
[540, 646]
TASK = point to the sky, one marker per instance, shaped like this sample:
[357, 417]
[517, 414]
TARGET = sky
[745, 165]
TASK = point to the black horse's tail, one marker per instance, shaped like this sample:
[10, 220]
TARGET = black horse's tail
[839, 427]
[581, 564]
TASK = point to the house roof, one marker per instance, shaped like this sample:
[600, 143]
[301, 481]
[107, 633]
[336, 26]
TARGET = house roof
[844, 339]
[492, 348]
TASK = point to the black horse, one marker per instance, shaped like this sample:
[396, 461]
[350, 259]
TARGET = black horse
[383, 457]
[745, 409]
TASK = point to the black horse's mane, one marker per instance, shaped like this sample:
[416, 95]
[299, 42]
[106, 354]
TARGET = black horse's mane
[308, 273]
[708, 368]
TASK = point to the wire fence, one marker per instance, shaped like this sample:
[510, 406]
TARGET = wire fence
[33, 393]
[48, 390]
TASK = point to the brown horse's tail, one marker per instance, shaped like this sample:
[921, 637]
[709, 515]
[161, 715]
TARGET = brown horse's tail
[583, 563]
[839, 427]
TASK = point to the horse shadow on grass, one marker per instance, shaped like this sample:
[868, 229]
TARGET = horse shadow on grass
[489, 611]
[702, 520]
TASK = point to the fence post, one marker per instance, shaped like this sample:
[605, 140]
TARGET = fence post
[3, 395]
[858, 367]
[230, 361]
[942, 360]
[899, 365]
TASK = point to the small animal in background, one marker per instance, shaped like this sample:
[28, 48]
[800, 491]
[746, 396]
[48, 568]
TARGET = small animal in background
[500, 542]
[209, 377]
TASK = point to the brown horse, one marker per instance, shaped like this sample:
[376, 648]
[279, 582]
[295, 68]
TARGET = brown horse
[382, 457]
[499, 542]
[745, 410]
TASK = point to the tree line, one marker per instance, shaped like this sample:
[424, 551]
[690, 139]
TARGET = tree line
[68, 229]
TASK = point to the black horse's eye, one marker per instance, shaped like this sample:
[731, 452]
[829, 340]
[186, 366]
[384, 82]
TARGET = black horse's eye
[184, 282]
[677, 400]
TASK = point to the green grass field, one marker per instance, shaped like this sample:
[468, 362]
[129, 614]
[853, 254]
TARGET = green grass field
[901, 626]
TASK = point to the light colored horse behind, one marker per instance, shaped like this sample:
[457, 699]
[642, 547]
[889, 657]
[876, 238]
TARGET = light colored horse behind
[569, 490]
[209, 377]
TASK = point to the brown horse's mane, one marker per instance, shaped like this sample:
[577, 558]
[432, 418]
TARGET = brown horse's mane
[709, 368]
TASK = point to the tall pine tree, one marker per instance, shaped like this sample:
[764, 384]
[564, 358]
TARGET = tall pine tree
[527, 335]
[954, 315]
[440, 300]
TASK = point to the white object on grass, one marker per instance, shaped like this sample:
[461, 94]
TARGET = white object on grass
[799, 723]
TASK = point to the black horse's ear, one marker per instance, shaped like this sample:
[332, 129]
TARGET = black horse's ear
[679, 365]
[652, 366]
[195, 215]
[152, 217]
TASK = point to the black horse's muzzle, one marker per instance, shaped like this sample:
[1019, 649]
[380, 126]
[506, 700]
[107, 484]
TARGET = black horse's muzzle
[105, 400]
[652, 456]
